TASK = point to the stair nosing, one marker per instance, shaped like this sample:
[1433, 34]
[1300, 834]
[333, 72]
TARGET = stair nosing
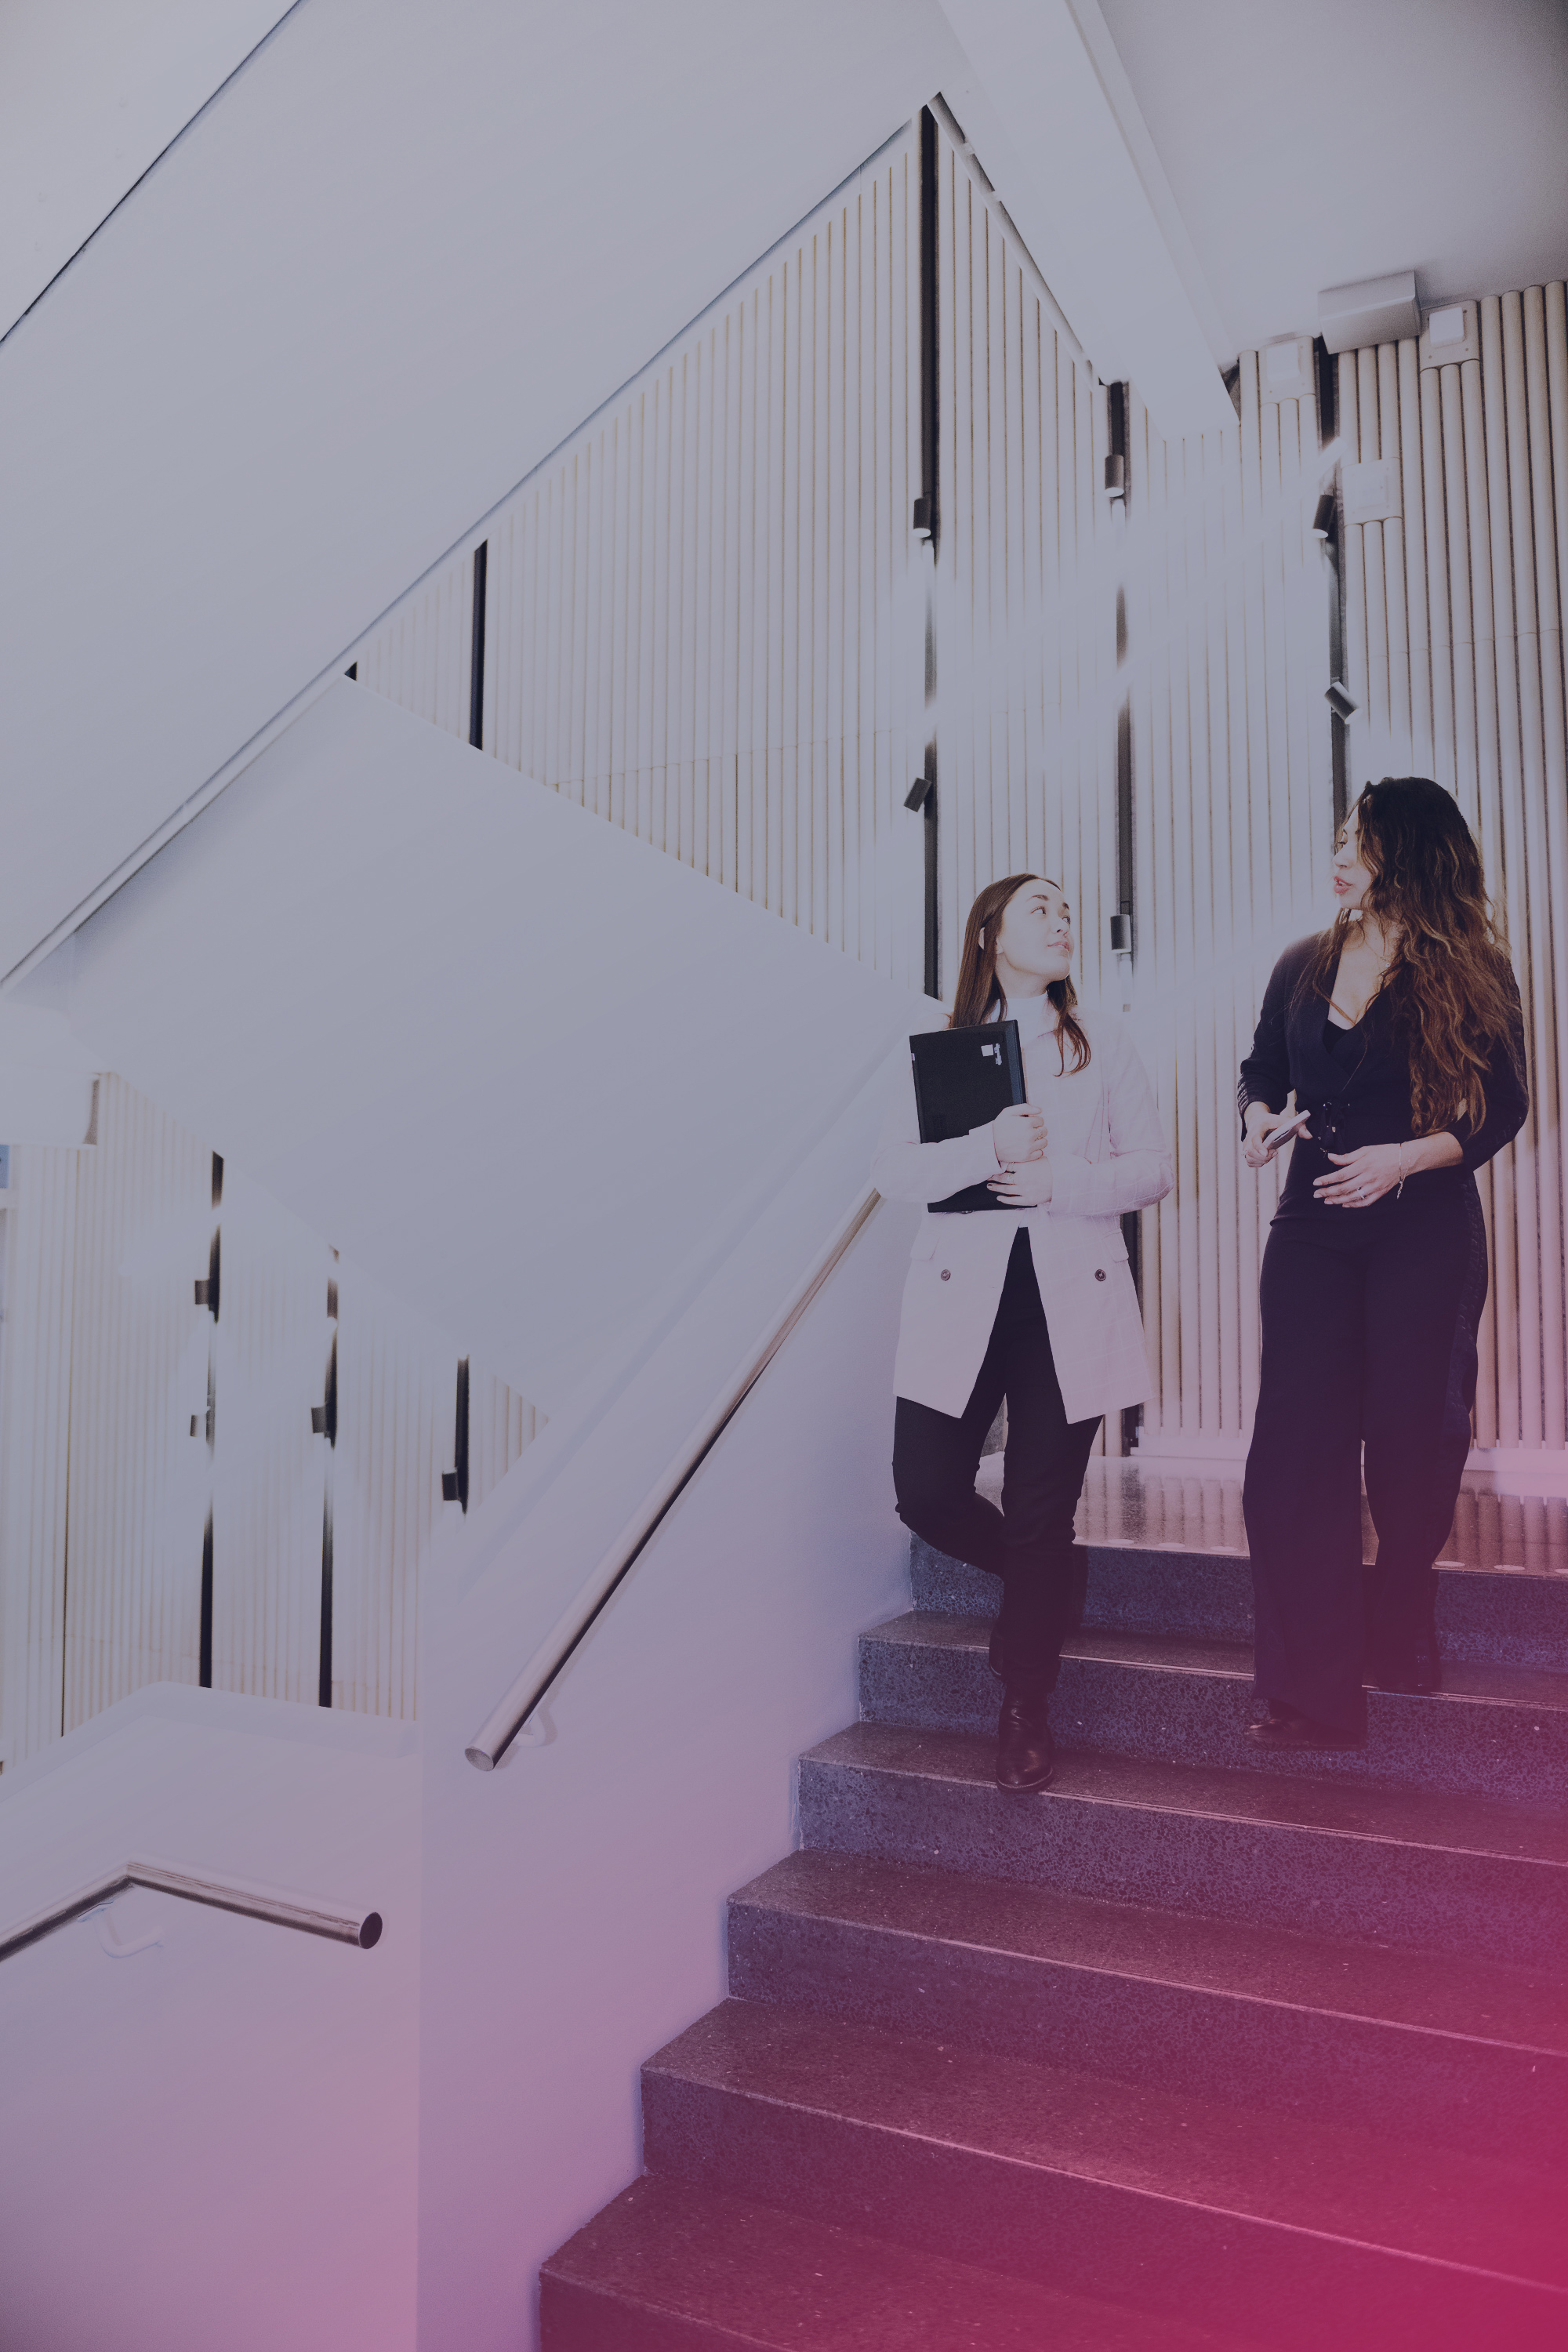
[1091, 1645]
[1275, 1784]
[1139, 1972]
[724, 2203]
[1075, 2168]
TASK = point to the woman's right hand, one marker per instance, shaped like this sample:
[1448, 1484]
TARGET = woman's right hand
[1260, 1124]
[1018, 1134]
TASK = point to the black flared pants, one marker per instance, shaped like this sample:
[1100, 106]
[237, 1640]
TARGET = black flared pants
[1028, 1543]
[1368, 1339]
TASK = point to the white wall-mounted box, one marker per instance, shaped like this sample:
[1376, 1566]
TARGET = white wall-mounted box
[1285, 369]
[1451, 335]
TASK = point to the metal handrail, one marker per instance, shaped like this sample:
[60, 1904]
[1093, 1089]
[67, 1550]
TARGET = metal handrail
[361, 1927]
[502, 1725]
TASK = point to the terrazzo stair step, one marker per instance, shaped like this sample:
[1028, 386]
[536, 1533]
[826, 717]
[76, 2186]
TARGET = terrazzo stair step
[670, 2268]
[1444, 2049]
[1216, 2215]
[1507, 1616]
[1341, 1858]
[1499, 1731]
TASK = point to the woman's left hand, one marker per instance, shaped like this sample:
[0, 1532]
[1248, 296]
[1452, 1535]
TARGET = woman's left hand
[1027, 1187]
[1360, 1177]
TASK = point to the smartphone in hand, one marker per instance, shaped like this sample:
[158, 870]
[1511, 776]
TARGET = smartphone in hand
[1279, 1134]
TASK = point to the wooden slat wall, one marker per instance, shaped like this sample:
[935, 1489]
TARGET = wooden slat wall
[704, 613]
[419, 656]
[270, 1345]
[1226, 661]
[1456, 654]
[1026, 614]
[396, 1435]
[1025, 581]
[37, 1236]
[139, 1481]
[104, 1487]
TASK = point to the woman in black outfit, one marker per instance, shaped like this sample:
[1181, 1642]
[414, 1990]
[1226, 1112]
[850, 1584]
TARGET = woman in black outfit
[1399, 1030]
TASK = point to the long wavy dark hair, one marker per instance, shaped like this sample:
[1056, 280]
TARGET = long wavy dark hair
[1450, 985]
[978, 987]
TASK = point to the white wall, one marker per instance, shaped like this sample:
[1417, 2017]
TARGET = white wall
[563, 1094]
[211, 2141]
[402, 254]
[573, 1915]
[529, 1074]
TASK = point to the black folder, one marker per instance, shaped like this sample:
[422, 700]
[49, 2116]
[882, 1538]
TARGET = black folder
[962, 1078]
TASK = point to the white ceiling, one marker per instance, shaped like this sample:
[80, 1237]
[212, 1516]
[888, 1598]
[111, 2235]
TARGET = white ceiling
[91, 94]
[1311, 142]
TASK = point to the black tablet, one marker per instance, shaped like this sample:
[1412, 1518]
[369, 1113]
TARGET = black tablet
[962, 1078]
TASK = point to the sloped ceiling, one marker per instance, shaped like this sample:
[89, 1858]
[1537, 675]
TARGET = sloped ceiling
[1311, 142]
[91, 94]
[398, 257]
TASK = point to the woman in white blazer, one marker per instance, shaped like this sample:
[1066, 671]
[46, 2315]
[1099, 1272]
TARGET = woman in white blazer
[1035, 1304]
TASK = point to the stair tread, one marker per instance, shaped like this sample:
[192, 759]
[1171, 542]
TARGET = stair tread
[1467, 1679]
[1164, 1505]
[1402, 1816]
[755, 2275]
[1238, 1555]
[1480, 2000]
[1464, 2212]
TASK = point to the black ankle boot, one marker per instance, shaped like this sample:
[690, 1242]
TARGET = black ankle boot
[1025, 1752]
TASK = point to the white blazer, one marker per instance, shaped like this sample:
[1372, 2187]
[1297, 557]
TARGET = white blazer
[1108, 1154]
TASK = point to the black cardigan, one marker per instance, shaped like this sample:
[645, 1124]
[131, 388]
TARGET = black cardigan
[1360, 1093]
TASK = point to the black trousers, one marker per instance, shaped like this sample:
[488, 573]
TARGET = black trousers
[1028, 1543]
[1369, 1336]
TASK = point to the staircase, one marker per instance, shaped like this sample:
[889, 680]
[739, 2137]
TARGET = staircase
[1201, 2047]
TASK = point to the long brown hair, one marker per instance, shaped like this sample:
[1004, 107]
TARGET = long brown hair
[1449, 983]
[978, 987]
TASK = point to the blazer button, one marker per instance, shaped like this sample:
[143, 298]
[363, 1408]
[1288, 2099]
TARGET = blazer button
[947, 1274]
[1099, 1273]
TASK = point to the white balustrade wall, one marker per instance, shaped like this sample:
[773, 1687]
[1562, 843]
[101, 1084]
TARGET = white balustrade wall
[1455, 653]
[127, 1414]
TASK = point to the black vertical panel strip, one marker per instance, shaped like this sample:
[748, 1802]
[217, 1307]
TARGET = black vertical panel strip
[930, 387]
[930, 447]
[477, 668]
[1126, 863]
[330, 1430]
[324, 1678]
[217, 1179]
[215, 1271]
[1328, 391]
[932, 943]
[462, 1450]
[205, 1665]
[1339, 742]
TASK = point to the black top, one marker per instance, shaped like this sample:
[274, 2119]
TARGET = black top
[1356, 1084]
